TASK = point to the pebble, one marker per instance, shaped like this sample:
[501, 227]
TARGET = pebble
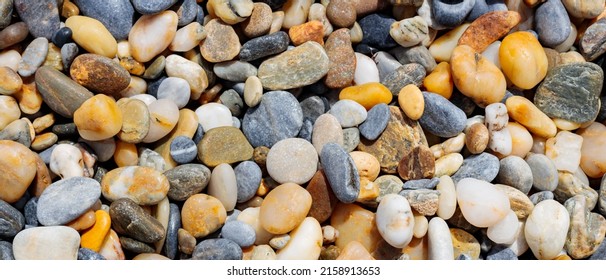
[349, 113]
[253, 91]
[376, 121]
[552, 23]
[259, 22]
[277, 213]
[488, 28]
[239, 232]
[483, 210]
[341, 172]
[99, 74]
[441, 117]
[412, 73]
[586, 231]
[326, 129]
[234, 145]
[263, 46]
[540, 196]
[164, 115]
[152, 7]
[477, 138]
[186, 180]
[111, 248]
[11, 220]
[440, 80]
[259, 123]
[33, 56]
[342, 59]
[366, 70]
[323, 198]
[60, 93]
[198, 206]
[67, 199]
[93, 237]
[386, 63]
[11, 81]
[417, 164]
[570, 185]
[351, 138]
[416, 54]
[395, 221]
[217, 249]
[411, 101]
[213, 115]
[89, 255]
[92, 35]
[440, 245]
[483, 166]
[472, 73]
[376, 29]
[292, 160]
[519, 202]
[309, 31]
[515, 172]
[223, 186]
[41, 17]
[116, 15]
[93, 129]
[504, 232]
[483, 7]
[6, 11]
[135, 120]
[69, 52]
[409, 32]
[546, 229]
[559, 94]
[248, 178]
[355, 223]
[10, 59]
[144, 185]
[46, 243]
[522, 49]
[221, 44]
[130, 219]
[183, 150]
[193, 73]
[423, 201]
[305, 243]
[19, 169]
[233, 101]
[464, 243]
[12, 35]
[527, 114]
[590, 46]
[441, 49]
[565, 150]
[591, 161]
[235, 71]
[501, 253]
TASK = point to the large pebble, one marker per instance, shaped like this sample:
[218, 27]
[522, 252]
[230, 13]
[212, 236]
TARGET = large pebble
[441, 117]
[395, 221]
[355, 223]
[99, 74]
[488, 28]
[481, 203]
[179, 67]
[590, 44]
[144, 185]
[341, 172]
[552, 23]
[65, 200]
[41, 17]
[63, 95]
[305, 242]
[92, 35]
[202, 214]
[18, 169]
[221, 44]
[217, 249]
[376, 29]
[292, 160]
[440, 245]
[522, 48]
[546, 229]
[515, 172]
[186, 180]
[342, 59]
[47, 243]
[527, 114]
[152, 7]
[451, 13]
[135, 120]
[11, 220]
[263, 46]
[92, 128]
[348, 112]
[116, 15]
[278, 214]
[586, 231]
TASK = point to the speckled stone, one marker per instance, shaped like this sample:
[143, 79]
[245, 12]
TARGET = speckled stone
[544, 172]
[233, 101]
[351, 138]
[501, 253]
[116, 15]
[221, 43]
[99, 74]
[225, 144]
[278, 116]
[248, 178]
[441, 117]
[552, 23]
[484, 166]
[41, 17]
[11, 220]
[186, 180]
[417, 54]
[263, 46]
[183, 150]
[418, 163]
[217, 249]
[376, 121]
[591, 43]
[239, 232]
[69, 52]
[186, 10]
[85, 254]
[515, 172]
[30, 212]
[292, 160]
[412, 73]
[341, 172]
[376, 31]
[67, 199]
[130, 219]
[171, 242]
[424, 201]
[313, 107]
[59, 92]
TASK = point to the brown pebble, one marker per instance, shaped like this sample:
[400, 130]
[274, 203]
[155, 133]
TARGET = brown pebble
[309, 31]
[42, 178]
[13, 34]
[341, 13]
[259, 21]
[417, 164]
[476, 138]
[342, 59]
[221, 43]
[187, 242]
[324, 200]
[99, 74]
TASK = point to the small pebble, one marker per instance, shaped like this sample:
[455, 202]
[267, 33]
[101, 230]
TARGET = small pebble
[183, 150]
[217, 249]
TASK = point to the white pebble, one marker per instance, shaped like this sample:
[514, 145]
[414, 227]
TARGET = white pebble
[146, 98]
[223, 186]
[305, 242]
[213, 115]
[66, 161]
[175, 89]
[481, 203]
[366, 70]
[447, 201]
[395, 220]
[163, 115]
[546, 229]
[492, 53]
[421, 225]
[504, 232]
[496, 121]
[440, 241]
[519, 245]
[565, 150]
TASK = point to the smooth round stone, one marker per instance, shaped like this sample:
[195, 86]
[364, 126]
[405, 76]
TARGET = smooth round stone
[259, 22]
[10, 59]
[447, 201]
[253, 91]
[202, 215]
[99, 74]
[193, 73]
[417, 54]
[223, 185]
[326, 129]
[395, 220]
[92, 35]
[522, 49]
[86, 254]
[527, 114]
[477, 138]
[263, 46]
[241, 233]
[504, 232]
[221, 43]
[278, 73]
[559, 95]
[135, 120]
[376, 29]
[92, 128]
[481, 203]
[248, 178]
[278, 215]
[341, 172]
[515, 172]
[116, 15]
[18, 169]
[376, 122]
[348, 112]
[164, 27]
[130, 219]
[164, 115]
[187, 180]
[521, 139]
[591, 160]
[484, 167]
[278, 116]
[584, 9]
[234, 71]
[451, 13]
[351, 138]
[440, 245]
[67, 199]
[41, 17]
[552, 23]
[441, 117]
[217, 249]
[411, 101]
[187, 11]
[366, 70]
[46, 243]
[546, 229]
[33, 56]
[144, 185]
[188, 37]
[183, 150]
[213, 115]
[11, 220]
[305, 242]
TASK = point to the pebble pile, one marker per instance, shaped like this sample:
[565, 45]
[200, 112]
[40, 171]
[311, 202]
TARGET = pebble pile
[300, 129]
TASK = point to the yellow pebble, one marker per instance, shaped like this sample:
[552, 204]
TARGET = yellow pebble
[440, 80]
[562, 124]
[527, 114]
[369, 191]
[92, 35]
[411, 101]
[93, 127]
[93, 238]
[523, 59]
[368, 94]
[125, 154]
[521, 140]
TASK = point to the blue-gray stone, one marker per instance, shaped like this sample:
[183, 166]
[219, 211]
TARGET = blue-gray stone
[171, 242]
[313, 107]
[186, 10]
[351, 138]
[85, 254]
[341, 172]
[376, 121]
[386, 63]
[600, 253]
[417, 54]
[248, 178]
[306, 130]
[235, 71]
[152, 86]
[232, 100]
[183, 150]
[507, 95]
[41, 16]
[11, 220]
[46, 154]
[69, 51]
[236, 122]
[451, 13]
[485, 6]
[200, 15]
[544, 172]
[232, 215]
[186, 180]
[278, 116]
[62, 37]
[552, 23]
[263, 46]
[441, 117]
[20, 204]
[540, 196]
[217, 249]
[6, 251]
[6, 13]
[501, 253]
[375, 28]
[515, 172]
[116, 15]
[147, 7]
[135, 246]
[484, 166]
[239, 232]
[67, 199]
[421, 184]
[412, 73]
[199, 134]
[31, 212]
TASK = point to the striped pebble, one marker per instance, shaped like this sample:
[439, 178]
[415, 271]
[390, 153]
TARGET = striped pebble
[183, 150]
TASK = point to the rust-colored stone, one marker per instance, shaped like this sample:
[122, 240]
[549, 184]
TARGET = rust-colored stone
[417, 164]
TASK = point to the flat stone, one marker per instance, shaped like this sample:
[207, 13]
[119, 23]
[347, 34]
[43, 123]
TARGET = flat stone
[424, 201]
[441, 117]
[351, 138]
[130, 219]
[552, 23]
[515, 172]
[217, 249]
[47, 243]
[419, 163]
[263, 46]
[33, 56]
[421, 184]
[224, 145]
[65, 200]
[183, 150]
[376, 31]
[310, 64]
[59, 92]
[239, 232]
[412, 73]
[591, 43]
[292, 160]
[99, 74]
[342, 59]
[323, 198]
[186, 180]
[235, 71]
[341, 172]
[41, 17]
[11, 220]
[221, 44]
[376, 121]
[484, 166]
[278, 116]
[171, 243]
[116, 15]
[153, 6]
[144, 185]
[248, 177]
[571, 92]
[488, 28]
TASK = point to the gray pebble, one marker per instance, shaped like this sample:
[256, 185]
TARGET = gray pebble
[306, 131]
[183, 150]
[484, 166]
[313, 107]
[248, 178]
[412, 73]
[552, 23]
[515, 172]
[175, 89]
[6, 251]
[421, 184]
[386, 63]
[239, 232]
[69, 51]
[233, 101]
[217, 249]
[485, 6]
[18, 131]
[129, 219]
[11, 220]
[232, 215]
[85, 254]
[417, 54]
[67, 199]
[115, 15]
[135, 246]
[99, 173]
[450, 13]
[187, 180]
[41, 16]
[463, 257]
[441, 117]
[45, 155]
[348, 112]
[33, 56]
[544, 172]
[186, 10]
[154, 85]
[235, 70]
[501, 253]
[239, 88]
[540, 196]
[171, 243]
[263, 46]
[199, 134]
[341, 172]
[6, 13]
[147, 7]
[351, 139]
[31, 212]
[376, 121]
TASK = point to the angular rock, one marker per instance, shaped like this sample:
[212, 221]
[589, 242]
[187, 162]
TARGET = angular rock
[419, 163]
[424, 201]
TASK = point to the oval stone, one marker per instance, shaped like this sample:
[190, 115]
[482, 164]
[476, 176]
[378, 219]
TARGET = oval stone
[240, 232]
[47, 243]
[62, 94]
[93, 128]
[441, 117]
[546, 229]
[248, 178]
[17, 170]
[130, 219]
[341, 172]
[202, 215]
[99, 74]
[376, 121]
[135, 120]
[11, 221]
[349, 113]
[116, 15]
[395, 220]
[593, 161]
[292, 160]
[440, 245]
[164, 27]
[481, 203]
[144, 185]
[305, 242]
[67, 199]
[217, 249]
[278, 214]
[186, 180]
[92, 35]
[515, 172]
[484, 166]
[224, 186]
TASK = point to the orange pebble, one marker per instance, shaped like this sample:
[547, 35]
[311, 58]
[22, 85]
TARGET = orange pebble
[440, 80]
[93, 237]
[125, 154]
[367, 95]
[85, 221]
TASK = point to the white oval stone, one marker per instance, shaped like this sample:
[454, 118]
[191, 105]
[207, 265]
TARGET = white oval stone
[348, 112]
[366, 70]
[47, 243]
[163, 115]
[223, 185]
[395, 220]
[151, 34]
[253, 91]
[305, 242]
[211, 115]
[546, 229]
[481, 203]
[10, 59]
[439, 240]
[175, 89]
[421, 225]
[519, 245]
[292, 160]
[447, 201]
[66, 161]
[492, 53]
[504, 232]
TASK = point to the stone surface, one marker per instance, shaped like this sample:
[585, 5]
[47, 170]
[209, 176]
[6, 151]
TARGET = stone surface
[515, 172]
[591, 161]
[488, 28]
[248, 177]
[546, 229]
[395, 221]
[292, 160]
[130, 219]
[59, 92]
[441, 117]
[217, 249]
[591, 44]
[278, 215]
[376, 121]
[326, 129]
[484, 166]
[92, 35]
[144, 185]
[481, 203]
[221, 44]
[323, 198]
[464, 243]
[99, 74]
[518, 49]
[11, 220]
[348, 112]
[263, 46]
[135, 120]
[41, 17]
[65, 200]
[424, 201]
[202, 215]
[586, 231]
[223, 186]
[187, 180]
[376, 31]
[234, 146]
[342, 59]
[239, 232]
[419, 163]
[450, 14]
[341, 172]
[46, 243]
[411, 73]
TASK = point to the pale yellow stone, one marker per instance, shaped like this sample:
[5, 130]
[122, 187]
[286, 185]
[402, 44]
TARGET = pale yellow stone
[92, 35]
[521, 140]
[90, 126]
[442, 47]
[144, 46]
[451, 145]
[527, 114]
[276, 22]
[279, 214]
[187, 37]
[355, 223]
[411, 101]
[448, 164]
[295, 12]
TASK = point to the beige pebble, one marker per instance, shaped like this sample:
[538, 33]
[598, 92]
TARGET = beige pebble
[295, 12]
[521, 139]
[44, 122]
[144, 47]
[92, 35]
[448, 164]
[278, 214]
[277, 19]
[136, 86]
[193, 73]
[253, 91]
[10, 81]
[318, 12]
[44, 141]
[9, 111]
[93, 128]
[202, 214]
[356, 34]
[411, 101]
[476, 138]
[10, 59]
[259, 22]
[187, 37]
[125, 154]
[451, 145]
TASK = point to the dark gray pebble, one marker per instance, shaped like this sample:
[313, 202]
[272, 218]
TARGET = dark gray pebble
[199, 134]
[417, 54]
[183, 150]
[263, 46]
[412, 73]
[152, 86]
[62, 37]
[31, 212]
[375, 28]
[186, 10]
[240, 232]
[376, 121]
[130, 219]
[421, 184]
[171, 243]
[147, 7]
[85, 254]
[217, 249]
[451, 13]
[501, 253]
[306, 130]
[186, 180]
[41, 16]
[441, 117]
[552, 23]
[65, 130]
[341, 172]
[135, 246]
[11, 220]
[248, 178]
